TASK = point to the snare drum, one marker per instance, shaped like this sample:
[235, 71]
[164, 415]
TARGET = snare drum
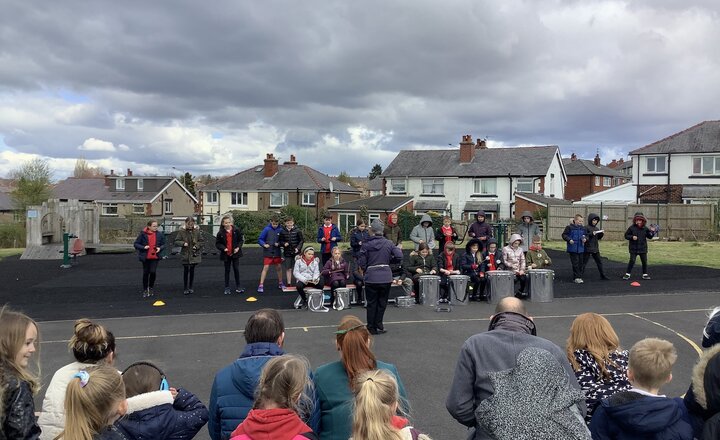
[459, 295]
[342, 299]
[541, 285]
[404, 301]
[501, 284]
[429, 289]
[316, 300]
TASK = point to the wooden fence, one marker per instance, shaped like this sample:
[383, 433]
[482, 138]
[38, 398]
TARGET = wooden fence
[677, 221]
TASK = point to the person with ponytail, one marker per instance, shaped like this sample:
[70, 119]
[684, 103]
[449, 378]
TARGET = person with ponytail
[18, 342]
[334, 382]
[281, 398]
[376, 405]
[90, 344]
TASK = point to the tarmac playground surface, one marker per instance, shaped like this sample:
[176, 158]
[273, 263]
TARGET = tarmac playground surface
[191, 338]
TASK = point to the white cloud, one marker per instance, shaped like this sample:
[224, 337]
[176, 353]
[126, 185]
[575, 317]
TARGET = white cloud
[93, 144]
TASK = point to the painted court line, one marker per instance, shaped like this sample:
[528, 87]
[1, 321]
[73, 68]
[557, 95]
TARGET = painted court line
[680, 335]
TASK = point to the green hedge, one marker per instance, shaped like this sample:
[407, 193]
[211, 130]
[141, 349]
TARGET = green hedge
[12, 235]
[252, 223]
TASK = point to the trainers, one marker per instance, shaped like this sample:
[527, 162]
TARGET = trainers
[646, 276]
[261, 289]
[626, 276]
[577, 281]
[186, 292]
[150, 291]
[281, 286]
[191, 291]
[227, 291]
[240, 290]
[581, 280]
[145, 293]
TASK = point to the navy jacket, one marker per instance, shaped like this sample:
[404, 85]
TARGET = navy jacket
[334, 232]
[630, 415]
[356, 237]
[575, 233]
[237, 242]
[110, 433]
[375, 257]
[142, 240]
[271, 236]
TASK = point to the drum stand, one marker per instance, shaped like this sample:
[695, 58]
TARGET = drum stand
[445, 307]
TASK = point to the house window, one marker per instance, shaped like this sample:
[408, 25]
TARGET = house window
[485, 186]
[140, 185]
[168, 206]
[398, 186]
[337, 199]
[109, 209]
[607, 181]
[211, 198]
[238, 198]
[120, 184]
[708, 165]
[278, 199]
[309, 198]
[656, 164]
[138, 208]
[433, 187]
[525, 184]
[346, 222]
[372, 217]
[597, 180]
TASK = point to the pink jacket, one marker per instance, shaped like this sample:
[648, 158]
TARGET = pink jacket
[514, 258]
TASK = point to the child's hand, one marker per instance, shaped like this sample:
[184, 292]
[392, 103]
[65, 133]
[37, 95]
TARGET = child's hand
[236, 250]
[333, 239]
[547, 262]
[146, 247]
[635, 237]
[571, 242]
[185, 244]
[174, 392]
[266, 245]
[533, 266]
[322, 239]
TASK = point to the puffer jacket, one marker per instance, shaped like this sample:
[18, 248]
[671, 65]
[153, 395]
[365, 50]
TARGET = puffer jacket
[480, 230]
[52, 417]
[420, 233]
[642, 233]
[592, 245]
[192, 253]
[469, 259]
[514, 259]
[335, 272]
[357, 238]
[270, 236]
[18, 410]
[142, 240]
[527, 230]
[304, 272]
[375, 257]
[158, 416]
[294, 239]
[576, 233]
[497, 257]
[417, 261]
[703, 397]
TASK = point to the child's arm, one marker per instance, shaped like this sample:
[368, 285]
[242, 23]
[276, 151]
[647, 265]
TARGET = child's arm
[190, 417]
[320, 235]
[20, 417]
[336, 234]
[301, 242]
[263, 237]
[547, 258]
[629, 234]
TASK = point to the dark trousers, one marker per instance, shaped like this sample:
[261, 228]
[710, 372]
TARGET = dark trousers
[445, 287]
[643, 260]
[478, 285]
[325, 257]
[149, 268]
[235, 263]
[522, 280]
[335, 285]
[598, 261]
[576, 260]
[416, 286]
[377, 297]
[300, 286]
[188, 275]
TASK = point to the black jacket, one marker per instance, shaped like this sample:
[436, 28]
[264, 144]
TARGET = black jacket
[440, 238]
[642, 233]
[18, 411]
[357, 237]
[591, 245]
[442, 262]
[294, 239]
[237, 242]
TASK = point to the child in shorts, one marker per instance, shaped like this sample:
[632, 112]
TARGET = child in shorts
[269, 240]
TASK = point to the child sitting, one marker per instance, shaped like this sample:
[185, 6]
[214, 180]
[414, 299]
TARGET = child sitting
[514, 259]
[448, 264]
[536, 257]
[641, 412]
[471, 262]
[421, 263]
[492, 260]
[156, 411]
[307, 273]
[336, 272]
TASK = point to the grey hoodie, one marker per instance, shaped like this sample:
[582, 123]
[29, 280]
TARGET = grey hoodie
[420, 233]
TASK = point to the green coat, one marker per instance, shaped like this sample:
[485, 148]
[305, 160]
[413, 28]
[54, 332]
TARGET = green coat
[192, 253]
[537, 257]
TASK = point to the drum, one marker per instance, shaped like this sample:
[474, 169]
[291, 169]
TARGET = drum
[342, 298]
[458, 290]
[355, 295]
[316, 300]
[501, 283]
[541, 285]
[429, 289]
[404, 301]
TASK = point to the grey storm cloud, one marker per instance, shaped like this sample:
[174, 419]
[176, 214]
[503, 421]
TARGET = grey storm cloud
[581, 75]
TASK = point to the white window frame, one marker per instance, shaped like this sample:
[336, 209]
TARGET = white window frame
[607, 182]
[283, 199]
[345, 223]
[372, 217]
[401, 186]
[211, 198]
[337, 198]
[525, 181]
[239, 197]
[120, 184]
[140, 211]
[597, 180]
[111, 207]
[480, 186]
[655, 161]
[702, 161]
[167, 206]
[435, 185]
[309, 198]
[140, 185]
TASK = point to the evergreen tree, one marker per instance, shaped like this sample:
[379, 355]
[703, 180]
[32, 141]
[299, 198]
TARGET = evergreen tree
[375, 171]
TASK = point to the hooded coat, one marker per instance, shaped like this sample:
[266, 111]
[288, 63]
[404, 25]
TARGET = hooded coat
[592, 245]
[420, 233]
[514, 259]
[357, 238]
[703, 397]
[158, 416]
[480, 229]
[192, 253]
[392, 232]
[417, 261]
[273, 424]
[574, 233]
[271, 236]
[375, 257]
[642, 233]
[469, 259]
[527, 230]
[497, 256]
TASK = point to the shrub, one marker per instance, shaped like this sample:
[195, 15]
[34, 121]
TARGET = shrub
[12, 235]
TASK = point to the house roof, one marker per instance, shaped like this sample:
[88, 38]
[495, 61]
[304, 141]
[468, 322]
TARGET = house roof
[625, 165]
[489, 162]
[701, 138]
[376, 203]
[701, 192]
[94, 190]
[621, 194]
[288, 177]
[584, 167]
[6, 202]
[431, 205]
[481, 206]
[375, 184]
[540, 199]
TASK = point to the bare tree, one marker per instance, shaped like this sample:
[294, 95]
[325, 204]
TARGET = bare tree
[83, 170]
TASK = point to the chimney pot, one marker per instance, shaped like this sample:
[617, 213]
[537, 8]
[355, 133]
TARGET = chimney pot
[129, 172]
[621, 161]
[112, 172]
[271, 166]
[467, 149]
[573, 157]
[596, 161]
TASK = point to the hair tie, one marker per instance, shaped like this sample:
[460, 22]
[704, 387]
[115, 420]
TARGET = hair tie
[342, 332]
[84, 377]
[369, 379]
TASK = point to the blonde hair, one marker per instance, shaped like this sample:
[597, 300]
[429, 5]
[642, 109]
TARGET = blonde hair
[13, 332]
[91, 342]
[285, 382]
[352, 337]
[376, 397]
[651, 361]
[592, 332]
[90, 408]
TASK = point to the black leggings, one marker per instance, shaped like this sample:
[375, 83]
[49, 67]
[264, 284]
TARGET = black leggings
[300, 286]
[149, 268]
[235, 262]
[335, 285]
[643, 260]
[188, 275]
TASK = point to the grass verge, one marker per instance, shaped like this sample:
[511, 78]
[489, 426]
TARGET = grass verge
[9, 252]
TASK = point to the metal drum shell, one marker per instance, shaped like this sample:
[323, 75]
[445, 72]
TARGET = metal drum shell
[429, 289]
[541, 285]
[501, 284]
[459, 295]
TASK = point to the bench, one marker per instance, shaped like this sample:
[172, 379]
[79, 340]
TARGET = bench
[326, 291]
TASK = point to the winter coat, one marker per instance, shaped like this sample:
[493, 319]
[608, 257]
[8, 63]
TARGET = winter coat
[417, 261]
[18, 409]
[142, 240]
[537, 257]
[334, 233]
[420, 233]
[481, 230]
[304, 272]
[703, 397]
[642, 233]
[527, 230]
[442, 262]
[333, 272]
[233, 390]
[576, 233]
[631, 415]
[52, 417]
[469, 259]
[711, 332]
[440, 238]
[158, 416]
[238, 239]
[597, 387]
[357, 238]
[592, 245]
[110, 433]
[514, 258]
[375, 257]
[271, 236]
[294, 239]
[393, 233]
[332, 386]
[192, 253]
[497, 257]
[494, 351]
[275, 424]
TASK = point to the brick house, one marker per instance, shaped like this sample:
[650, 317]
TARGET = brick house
[346, 214]
[589, 176]
[535, 203]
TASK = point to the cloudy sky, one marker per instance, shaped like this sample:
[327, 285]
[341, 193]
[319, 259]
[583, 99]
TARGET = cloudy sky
[213, 87]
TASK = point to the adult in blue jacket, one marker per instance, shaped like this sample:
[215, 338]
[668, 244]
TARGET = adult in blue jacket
[233, 390]
[574, 235]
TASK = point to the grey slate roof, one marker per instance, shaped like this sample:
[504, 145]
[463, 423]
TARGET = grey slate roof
[484, 206]
[6, 202]
[543, 200]
[376, 203]
[95, 190]
[490, 162]
[625, 165]
[701, 191]
[584, 167]
[375, 184]
[288, 177]
[701, 138]
[431, 205]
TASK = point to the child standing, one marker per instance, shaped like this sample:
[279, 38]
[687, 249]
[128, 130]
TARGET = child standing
[269, 240]
[592, 245]
[292, 242]
[446, 234]
[641, 412]
[190, 241]
[471, 262]
[536, 257]
[423, 233]
[307, 273]
[328, 236]
[358, 236]
[514, 260]
[481, 230]
[527, 229]
[336, 272]
[229, 241]
[392, 230]
[149, 244]
[18, 340]
[448, 264]
[574, 235]
[637, 235]
[156, 411]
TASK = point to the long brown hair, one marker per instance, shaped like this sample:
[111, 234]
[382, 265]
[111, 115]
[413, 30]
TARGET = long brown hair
[375, 400]
[592, 332]
[13, 331]
[353, 340]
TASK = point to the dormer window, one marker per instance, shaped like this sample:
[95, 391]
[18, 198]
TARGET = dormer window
[120, 184]
[140, 185]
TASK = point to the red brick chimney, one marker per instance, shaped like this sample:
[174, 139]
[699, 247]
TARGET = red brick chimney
[292, 160]
[573, 157]
[129, 172]
[481, 145]
[467, 149]
[596, 161]
[271, 165]
[613, 164]
[621, 161]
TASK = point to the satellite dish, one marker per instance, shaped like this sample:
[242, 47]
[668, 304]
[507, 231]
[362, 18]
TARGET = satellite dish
[331, 187]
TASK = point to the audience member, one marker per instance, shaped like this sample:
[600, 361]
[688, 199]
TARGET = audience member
[703, 397]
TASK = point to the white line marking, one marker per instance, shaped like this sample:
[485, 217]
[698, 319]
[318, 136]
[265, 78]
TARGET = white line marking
[685, 338]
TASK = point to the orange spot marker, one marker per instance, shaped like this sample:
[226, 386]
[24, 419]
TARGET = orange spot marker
[635, 284]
